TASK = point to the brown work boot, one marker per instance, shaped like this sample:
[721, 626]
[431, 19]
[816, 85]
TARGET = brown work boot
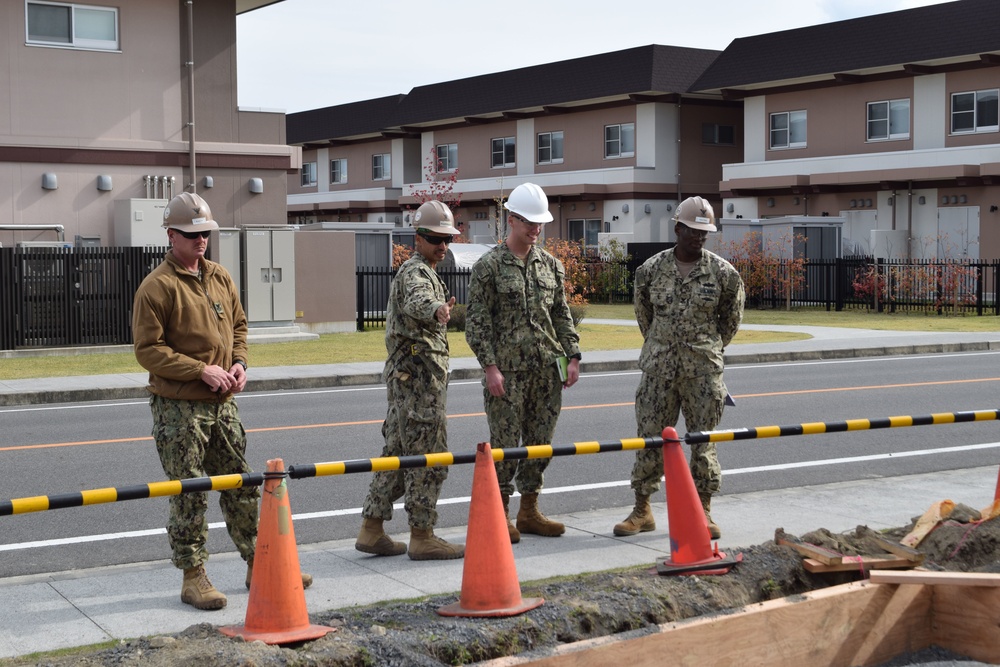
[706, 504]
[530, 520]
[639, 521]
[373, 540]
[425, 545]
[307, 579]
[199, 592]
[512, 531]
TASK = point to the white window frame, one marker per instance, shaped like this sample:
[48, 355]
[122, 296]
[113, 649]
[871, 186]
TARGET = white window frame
[338, 171]
[547, 154]
[74, 40]
[580, 228]
[502, 152]
[308, 174]
[446, 155]
[979, 123]
[619, 140]
[381, 166]
[887, 110]
[789, 118]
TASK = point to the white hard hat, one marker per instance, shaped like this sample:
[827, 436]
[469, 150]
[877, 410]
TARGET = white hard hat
[529, 202]
[696, 213]
[435, 217]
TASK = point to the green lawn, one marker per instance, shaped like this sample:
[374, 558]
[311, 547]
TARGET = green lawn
[369, 345]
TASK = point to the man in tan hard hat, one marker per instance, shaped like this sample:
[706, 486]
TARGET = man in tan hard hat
[689, 305]
[190, 333]
[520, 328]
[416, 377]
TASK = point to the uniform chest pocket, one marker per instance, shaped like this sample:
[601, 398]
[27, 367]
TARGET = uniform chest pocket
[706, 296]
[661, 297]
[510, 288]
[547, 287]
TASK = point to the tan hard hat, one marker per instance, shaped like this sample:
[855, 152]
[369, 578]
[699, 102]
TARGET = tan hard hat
[696, 213]
[435, 217]
[188, 212]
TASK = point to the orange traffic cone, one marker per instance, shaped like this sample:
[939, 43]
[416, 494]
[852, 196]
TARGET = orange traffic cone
[996, 496]
[691, 550]
[489, 578]
[276, 612]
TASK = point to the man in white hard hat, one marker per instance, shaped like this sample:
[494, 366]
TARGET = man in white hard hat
[416, 377]
[519, 327]
[689, 305]
[190, 332]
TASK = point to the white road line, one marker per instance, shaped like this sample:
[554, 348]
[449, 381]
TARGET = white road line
[563, 489]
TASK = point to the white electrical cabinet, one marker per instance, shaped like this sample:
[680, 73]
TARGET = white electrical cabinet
[269, 275]
[139, 223]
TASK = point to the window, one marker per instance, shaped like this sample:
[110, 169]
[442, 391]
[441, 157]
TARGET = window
[974, 112]
[381, 167]
[75, 26]
[502, 151]
[889, 120]
[447, 156]
[585, 231]
[550, 147]
[619, 140]
[721, 135]
[308, 173]
[788, 129]
[338, 170]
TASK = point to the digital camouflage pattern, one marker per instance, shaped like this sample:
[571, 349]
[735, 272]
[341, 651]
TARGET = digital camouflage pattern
[686, 323]
[416, 376]
[518, 320]
[199, 439]
[416, 293]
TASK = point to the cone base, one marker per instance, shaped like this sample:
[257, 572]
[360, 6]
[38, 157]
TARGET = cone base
[456, 609]
[278, 637]
[718, 564]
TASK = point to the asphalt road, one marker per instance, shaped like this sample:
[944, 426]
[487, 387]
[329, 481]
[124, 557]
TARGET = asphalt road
[70, 447]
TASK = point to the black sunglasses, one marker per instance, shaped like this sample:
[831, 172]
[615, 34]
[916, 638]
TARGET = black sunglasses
[193, 235]
[435, 240]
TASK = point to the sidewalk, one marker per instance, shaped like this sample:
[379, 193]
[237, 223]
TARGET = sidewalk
[68, 609]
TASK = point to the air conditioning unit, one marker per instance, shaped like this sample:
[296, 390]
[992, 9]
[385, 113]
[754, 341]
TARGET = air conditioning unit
[44, 244]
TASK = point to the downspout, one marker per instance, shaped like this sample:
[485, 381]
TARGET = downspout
[190, 65]
[909, 222]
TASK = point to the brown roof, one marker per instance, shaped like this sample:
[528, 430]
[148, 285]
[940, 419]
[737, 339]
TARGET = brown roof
[913, 36]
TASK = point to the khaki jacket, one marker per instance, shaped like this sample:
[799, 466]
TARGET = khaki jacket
[181, 324]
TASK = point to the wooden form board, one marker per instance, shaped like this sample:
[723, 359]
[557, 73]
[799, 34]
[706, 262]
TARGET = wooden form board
[860, 624]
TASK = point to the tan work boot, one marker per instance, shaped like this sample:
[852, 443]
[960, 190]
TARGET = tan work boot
[515, 534]
[530, 520]
[706, 504]
[425, 545]
[307, 579]
[199, 592]
[639, 521]
[373, 540]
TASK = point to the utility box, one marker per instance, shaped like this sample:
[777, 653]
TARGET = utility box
[269, 275]
[139, 223]
[224, 248]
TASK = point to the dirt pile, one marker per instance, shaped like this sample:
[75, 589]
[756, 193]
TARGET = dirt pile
[586, 606]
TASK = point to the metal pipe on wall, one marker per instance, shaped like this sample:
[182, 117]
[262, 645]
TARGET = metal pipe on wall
[190, 65]
[58, 229]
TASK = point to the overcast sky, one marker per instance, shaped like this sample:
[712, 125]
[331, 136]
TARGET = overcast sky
[307, 54]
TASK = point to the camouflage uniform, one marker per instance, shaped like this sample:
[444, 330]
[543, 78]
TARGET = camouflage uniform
[685, 323]
[416, 377]
[518, 320]
[181, 323]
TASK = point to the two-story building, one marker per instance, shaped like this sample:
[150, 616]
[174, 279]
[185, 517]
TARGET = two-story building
[110, 108]
[614, 139]
[889, 122]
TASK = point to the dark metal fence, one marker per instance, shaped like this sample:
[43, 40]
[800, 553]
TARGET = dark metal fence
[54, 297]
[373, 291]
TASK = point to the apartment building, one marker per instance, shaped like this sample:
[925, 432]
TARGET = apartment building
[110, 108]
[615, 140]
[889, 122]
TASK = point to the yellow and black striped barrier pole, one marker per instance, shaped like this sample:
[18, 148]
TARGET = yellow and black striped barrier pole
[447, 458]
[815, 428]
[112, 495]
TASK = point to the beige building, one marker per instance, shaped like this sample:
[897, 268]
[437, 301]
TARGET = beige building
[103, 116]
